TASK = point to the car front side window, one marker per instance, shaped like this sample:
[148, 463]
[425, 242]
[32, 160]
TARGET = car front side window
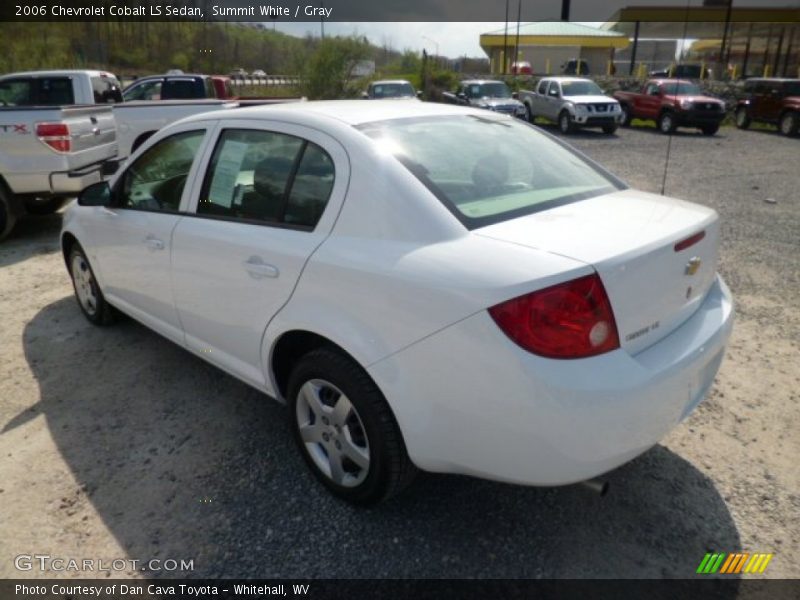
[148, 90]
[156, 180]
[269, 177]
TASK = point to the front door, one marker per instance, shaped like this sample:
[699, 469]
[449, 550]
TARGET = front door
[267, 200]
[133, 235]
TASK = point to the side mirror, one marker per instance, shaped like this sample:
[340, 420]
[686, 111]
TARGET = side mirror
[419, 94]
[461, 96]
[364, 95]
[97, 194]
[515, 95]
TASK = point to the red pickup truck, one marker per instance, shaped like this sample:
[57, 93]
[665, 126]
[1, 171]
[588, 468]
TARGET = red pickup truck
[672, 103]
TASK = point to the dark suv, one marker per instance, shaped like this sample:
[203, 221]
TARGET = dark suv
[775, 101]
[170, 87]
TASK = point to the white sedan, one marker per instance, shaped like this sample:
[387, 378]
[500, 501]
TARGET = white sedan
[426, 286]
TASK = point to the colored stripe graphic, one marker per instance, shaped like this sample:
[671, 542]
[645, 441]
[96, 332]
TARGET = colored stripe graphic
[737, 562]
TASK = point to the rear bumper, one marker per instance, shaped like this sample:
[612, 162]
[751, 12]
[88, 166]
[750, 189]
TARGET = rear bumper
[75, 181]
[470, 401]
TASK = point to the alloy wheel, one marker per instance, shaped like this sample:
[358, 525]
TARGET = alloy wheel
[333, 433]
[84, 284]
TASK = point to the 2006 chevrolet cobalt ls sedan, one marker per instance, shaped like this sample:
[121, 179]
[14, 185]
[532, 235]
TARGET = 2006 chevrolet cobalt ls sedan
[425, 286]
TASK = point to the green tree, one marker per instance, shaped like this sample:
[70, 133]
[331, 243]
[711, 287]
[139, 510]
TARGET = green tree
[328, 70]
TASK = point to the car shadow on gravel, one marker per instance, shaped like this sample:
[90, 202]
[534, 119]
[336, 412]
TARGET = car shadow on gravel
[182, 461]
[31, 235]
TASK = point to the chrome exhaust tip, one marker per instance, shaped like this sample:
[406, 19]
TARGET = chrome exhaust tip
[598, 486]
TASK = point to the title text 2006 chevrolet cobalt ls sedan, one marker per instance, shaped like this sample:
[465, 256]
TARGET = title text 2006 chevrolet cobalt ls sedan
[426, 286]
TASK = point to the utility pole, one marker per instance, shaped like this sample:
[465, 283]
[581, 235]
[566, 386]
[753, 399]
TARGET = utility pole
[516, 45]
[505, 44]
[565, 10]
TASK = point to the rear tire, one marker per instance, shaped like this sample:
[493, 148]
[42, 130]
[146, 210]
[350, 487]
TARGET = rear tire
[609, 129]
[667, 123]
[742, 118]
[528, 114]
[91, 300]
[345, 430]
[565, 123]
[709, 129]
[790, 123]
[626, 115]
[8, 218]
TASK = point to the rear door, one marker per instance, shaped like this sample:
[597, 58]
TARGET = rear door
[132, 237]
[267, 199]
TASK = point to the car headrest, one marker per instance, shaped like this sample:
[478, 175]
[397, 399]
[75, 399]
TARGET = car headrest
[490, 171]
[270, 175]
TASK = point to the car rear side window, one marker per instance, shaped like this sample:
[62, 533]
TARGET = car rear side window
[487, 169]
[155, 181]
[267, 177]
[106, 90]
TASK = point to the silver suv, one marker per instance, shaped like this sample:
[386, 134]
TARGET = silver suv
[572, 102]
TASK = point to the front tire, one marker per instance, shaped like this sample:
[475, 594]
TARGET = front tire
[91, 300]
[742, 118]
[667, 123]
[626, 115]
[609, 129]
[790, 123]
[345, 430]
[565, 122]
[709, 129]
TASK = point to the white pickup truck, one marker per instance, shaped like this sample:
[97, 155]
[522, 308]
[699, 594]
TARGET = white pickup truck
[49, 153]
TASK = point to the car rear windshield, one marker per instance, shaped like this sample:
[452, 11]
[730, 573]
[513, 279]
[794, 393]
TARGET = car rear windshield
[490, 169]
[488, 90]
[688, 89]
[37, 91]
[581, 88]
[392, 90]
[792, 88]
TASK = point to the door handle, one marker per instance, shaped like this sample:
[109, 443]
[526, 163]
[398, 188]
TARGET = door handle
[257, 268]
[154, 243]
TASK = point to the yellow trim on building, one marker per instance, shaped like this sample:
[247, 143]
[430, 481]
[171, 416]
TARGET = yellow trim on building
[586, 41]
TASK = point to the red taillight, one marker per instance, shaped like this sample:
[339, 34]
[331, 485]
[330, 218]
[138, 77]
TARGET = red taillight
[690, 241]
[55, 135]
[568, 320]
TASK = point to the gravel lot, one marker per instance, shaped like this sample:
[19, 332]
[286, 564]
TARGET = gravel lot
[118, 444]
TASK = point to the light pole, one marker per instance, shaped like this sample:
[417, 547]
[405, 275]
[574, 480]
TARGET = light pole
[435, 43]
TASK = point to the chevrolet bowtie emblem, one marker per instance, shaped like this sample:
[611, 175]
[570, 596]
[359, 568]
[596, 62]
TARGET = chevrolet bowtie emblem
[693, 265]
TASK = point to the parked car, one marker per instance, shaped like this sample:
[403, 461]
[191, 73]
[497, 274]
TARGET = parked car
[672, 103]
[774, 101]
[223, 88]
[258, 74]
[486, 93]
[683, 71]
[572, 102]
[575, 66]
[426, 286]
[390, 89]
[238, 74]
[170, 87]
[59, 88]
[48, 153]
[521, 68]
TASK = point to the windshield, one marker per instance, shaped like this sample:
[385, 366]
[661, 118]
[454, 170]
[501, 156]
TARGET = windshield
[686, 89]
[488, 90]
[392, 90]
[486, 170]
[580, 88]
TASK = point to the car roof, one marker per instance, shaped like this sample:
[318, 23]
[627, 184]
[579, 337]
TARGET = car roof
[57, 72]
[176, 76]
[560, 78]
[482, 81]
[350, 112]
[661, 80]
[385, 81]
[773, 79]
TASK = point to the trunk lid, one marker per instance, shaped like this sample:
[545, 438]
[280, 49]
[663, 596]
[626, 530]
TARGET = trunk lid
[630, 239]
